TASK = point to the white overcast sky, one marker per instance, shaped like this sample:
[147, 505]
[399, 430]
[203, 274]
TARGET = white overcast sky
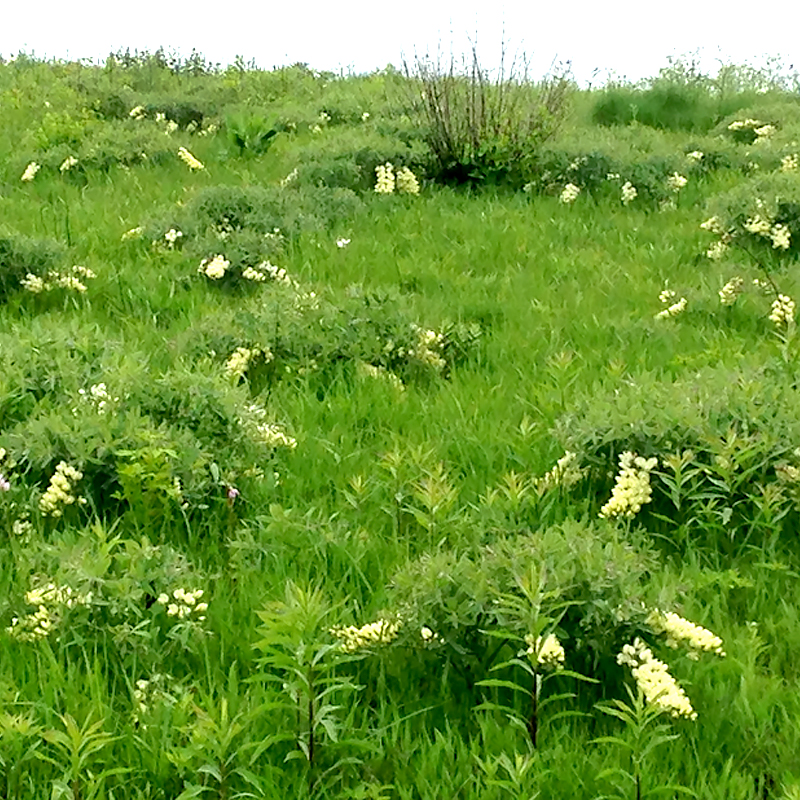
[630, 38]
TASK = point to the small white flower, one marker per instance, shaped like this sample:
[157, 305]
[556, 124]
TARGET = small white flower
[342, 242]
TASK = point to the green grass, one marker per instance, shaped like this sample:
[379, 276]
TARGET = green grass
[421, 502]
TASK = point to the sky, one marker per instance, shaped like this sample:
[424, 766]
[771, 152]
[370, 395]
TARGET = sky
[622, 38]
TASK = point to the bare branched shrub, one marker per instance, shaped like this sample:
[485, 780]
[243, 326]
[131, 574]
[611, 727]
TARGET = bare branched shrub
[482, 128]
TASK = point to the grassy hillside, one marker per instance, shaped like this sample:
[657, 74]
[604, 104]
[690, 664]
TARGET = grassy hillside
[354, 444]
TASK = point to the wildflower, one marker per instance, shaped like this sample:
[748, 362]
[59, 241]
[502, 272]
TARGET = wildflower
[278, 274]
[385, 182]
[565, 473]
[673, 310]
[133, 233]
[428, 348]
[629, 193]
[790, 163]
[342, 243]
[757, 225]
[764, 132]
[612, 176]
[781, 237]
[676, 182]
[782, 310]
[137, 113]
[30, 172]
[185, 604]
[547, 651]
[33, 283]
[50, 602]
[59, 491]
[98, 396]
[632, 486]
[237, 364]
[569, 193]
[291, 177]
[172, 126]
[731, 290]
[273, 436]
[429, 636]
[680, 630]
[653, 679]
[713, 224]
[171, 237]
[352, 638]
[4, 484]
[68, 163]
[407, 182]
[189, 159]
[22, 527]
[365, 116]
[232, 494]
[214, 268]
[378, 372]
[667, 294]
[695, 156]
[716, 251]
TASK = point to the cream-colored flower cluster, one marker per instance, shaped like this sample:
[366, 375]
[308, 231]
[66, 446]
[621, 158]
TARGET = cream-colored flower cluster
[183, 604]
[407, 182]
[629, 193]
[428, 636]
[352, 639]
[385, 179]
[215, 267]
[569, 194]
[67, 164]
[428, 348]
[547, 651]
[716, 250]
[171, 237]
[565, 474]
[72, 280]
[133, 233]
[59, 492]
[290, 178]
[695, 156]
[672, 310]
[274, 273]
[781, 237]
[632, 487]
[158, 690]
[731, 291]
[98, 396]
[237, 364]
[30, 172]
[714, 225]
[137, 113]
[189, 159]
[676, 182]
[783, 309]
[653, 679]
[790, 163]
[50, 600]
[681, 631]
[377, 372]
[273, 435]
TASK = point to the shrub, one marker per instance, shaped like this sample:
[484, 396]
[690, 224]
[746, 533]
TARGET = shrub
[20, 256]
[480, 130]
[249, 134]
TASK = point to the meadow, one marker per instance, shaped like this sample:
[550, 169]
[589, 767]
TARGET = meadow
[407, 435]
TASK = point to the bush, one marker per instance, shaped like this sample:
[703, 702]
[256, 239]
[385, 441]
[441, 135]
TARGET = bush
[20, 256]
[480, 130]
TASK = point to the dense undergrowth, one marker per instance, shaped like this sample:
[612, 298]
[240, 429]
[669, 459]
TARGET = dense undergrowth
[354, 444]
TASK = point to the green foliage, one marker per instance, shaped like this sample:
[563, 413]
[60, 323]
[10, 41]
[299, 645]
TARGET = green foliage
[482, 130]
[20, 256]
[249, 134]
